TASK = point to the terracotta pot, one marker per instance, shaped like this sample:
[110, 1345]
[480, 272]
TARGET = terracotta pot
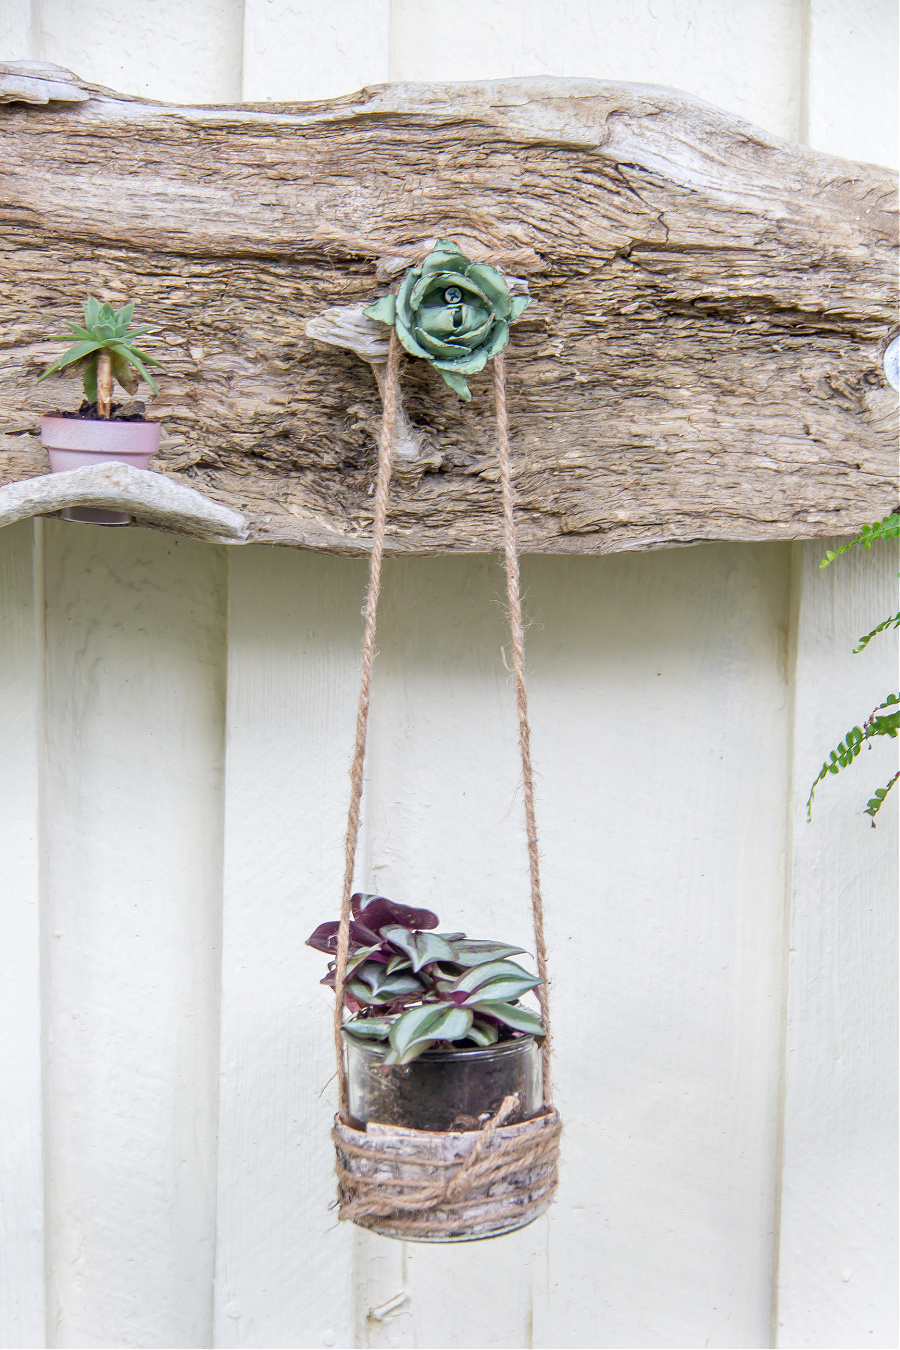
[75, 442]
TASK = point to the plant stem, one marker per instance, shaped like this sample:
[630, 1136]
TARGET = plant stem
[104, 383]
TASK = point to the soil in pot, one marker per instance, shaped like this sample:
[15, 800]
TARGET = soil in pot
[118, 412]
[443, 1089]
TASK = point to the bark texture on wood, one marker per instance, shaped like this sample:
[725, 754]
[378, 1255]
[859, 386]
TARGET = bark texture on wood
[410, 1184]
[702, 359]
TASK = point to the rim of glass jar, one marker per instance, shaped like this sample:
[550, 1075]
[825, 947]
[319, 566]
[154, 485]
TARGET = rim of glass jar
[379, 1048]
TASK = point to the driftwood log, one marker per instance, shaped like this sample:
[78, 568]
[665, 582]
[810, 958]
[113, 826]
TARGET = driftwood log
[702, 360]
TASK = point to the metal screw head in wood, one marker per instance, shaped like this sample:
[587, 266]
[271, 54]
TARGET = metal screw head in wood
[892, 363]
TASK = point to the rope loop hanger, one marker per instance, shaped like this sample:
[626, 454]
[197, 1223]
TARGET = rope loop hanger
[457, 1203]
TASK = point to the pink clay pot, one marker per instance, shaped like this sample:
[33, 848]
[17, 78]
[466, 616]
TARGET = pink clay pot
[75, 442]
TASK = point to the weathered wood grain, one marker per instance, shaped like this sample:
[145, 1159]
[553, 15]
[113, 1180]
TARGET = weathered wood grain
[702, 360]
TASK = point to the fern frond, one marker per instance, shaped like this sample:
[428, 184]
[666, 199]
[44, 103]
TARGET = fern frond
[892, 622]
[875, 803]
[889, 528]
[846, 751]
[884, 726]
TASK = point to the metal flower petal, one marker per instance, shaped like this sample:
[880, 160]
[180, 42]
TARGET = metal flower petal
[451, 312]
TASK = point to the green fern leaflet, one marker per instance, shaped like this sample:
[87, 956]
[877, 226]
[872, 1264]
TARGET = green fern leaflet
[889, 528]
[892, 622]
[879, 723]
[847, 750]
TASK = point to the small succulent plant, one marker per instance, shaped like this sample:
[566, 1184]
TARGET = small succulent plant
[451, 312]
[410, 986]
[105, 349]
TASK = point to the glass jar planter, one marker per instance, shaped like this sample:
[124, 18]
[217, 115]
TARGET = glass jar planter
[444, 1089]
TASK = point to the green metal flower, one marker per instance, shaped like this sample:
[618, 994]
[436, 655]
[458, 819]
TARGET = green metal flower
[452, 313]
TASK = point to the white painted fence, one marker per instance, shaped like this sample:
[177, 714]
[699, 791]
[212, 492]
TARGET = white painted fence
[173, 774]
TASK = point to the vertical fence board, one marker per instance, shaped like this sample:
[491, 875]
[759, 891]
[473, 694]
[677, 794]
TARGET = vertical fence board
[302, 49]
[443, 829]
[21, 1161]
[853, 95]
[659, 713]
[167, 50]
[283, 1275]
[135, 707]
[744, 57]
[838, 1266]
[16, 38]
[837, 1274]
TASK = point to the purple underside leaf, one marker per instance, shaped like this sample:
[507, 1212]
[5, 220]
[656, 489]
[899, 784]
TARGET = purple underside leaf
[376, 912]
[325, 937]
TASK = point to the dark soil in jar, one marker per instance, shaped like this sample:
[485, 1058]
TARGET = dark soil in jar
[444, 1089]
[119, 412]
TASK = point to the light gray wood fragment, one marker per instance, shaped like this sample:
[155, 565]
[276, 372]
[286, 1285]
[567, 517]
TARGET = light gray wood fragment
[38, 82]
[347, 326]
[149, 497]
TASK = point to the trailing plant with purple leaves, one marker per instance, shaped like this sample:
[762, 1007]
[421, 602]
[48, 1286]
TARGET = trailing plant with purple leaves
[411, 987]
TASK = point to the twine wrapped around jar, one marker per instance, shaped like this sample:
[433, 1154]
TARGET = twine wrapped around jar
[427, 1186]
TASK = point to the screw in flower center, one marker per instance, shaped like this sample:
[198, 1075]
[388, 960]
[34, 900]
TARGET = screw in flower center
[451, 312]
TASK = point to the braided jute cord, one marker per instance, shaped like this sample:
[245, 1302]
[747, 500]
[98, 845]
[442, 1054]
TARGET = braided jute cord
[382, 488]
[518, 652]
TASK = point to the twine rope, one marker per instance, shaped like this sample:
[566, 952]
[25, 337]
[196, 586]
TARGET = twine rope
[514, 602]
[382, 489]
